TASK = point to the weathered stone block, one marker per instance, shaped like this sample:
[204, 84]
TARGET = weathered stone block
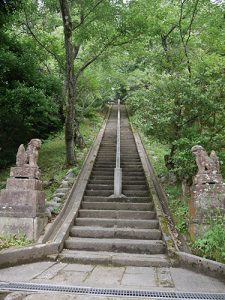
[22, 203]
[23, 184]
[32, 227]
[207, 178]
[25, 172]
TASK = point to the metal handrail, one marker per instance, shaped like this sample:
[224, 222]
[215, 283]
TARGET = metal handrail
[118, 170]
[118, 138]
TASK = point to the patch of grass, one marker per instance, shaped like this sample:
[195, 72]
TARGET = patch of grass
[156, 152]
[178, 207]
[53, 152]
[20, 240]
[212, 244]
[4, 174]
[52, 162]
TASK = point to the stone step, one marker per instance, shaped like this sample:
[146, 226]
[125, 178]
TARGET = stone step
[110, 172]
[131, 177]
[101, 173]
[120, 223]
[99, 193]
[110, 192]
[91, 186]
[111, 181]
[117, 206]
[127, 172]
[102, 181]
[137, 187]
[120, 233]
[116, 214]
[101, 177]
[124, 199]
[134, 193]
[113, 165]
[116, 245]
[124, 177]
[104, 170]
[113, 160]
[115, 259]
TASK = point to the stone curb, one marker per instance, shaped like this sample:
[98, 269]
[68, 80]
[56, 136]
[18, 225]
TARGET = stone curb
[163, 221]
[60, 193]
[28, 254]
[201, 264]
[196, 263]
[59, 229]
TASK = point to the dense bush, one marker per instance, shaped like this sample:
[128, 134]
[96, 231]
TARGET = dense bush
[212, 244]
[177, 90]
[30, 97]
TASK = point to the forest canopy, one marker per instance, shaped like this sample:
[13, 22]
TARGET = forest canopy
[62, 60]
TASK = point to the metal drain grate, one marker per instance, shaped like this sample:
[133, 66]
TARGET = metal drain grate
[32, 287]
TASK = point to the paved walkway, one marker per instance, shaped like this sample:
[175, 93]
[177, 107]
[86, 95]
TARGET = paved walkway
[141, 278]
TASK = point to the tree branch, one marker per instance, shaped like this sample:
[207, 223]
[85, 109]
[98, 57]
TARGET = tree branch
[79, 72]
[40, 43]
[87, 15]
[182, 36]
[192, 21]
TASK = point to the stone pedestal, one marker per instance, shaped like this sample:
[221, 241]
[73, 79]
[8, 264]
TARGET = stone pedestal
[205, 203]
[22, 203]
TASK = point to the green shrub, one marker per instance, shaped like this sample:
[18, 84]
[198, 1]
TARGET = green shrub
[7, 241]
[178, 207]
[212, 244]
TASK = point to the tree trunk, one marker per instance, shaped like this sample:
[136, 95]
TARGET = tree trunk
[70, 80]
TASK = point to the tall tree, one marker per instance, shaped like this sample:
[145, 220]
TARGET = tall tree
[97, 26]
[70, 82]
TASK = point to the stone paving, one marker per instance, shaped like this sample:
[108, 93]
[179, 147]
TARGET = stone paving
[141, 278]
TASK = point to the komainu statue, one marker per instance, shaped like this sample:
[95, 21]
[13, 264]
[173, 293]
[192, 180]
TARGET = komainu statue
[206, 164]
[28, 157]
[207, 192]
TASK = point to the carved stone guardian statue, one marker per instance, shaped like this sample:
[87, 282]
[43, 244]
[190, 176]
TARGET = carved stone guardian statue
[22, 203]
[208, 190]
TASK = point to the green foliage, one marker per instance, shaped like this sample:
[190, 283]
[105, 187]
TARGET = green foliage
[52, 154]
[212, 244]
[155, 150]
[7, 241]
[29, 95]
[189, 114]
[176, 90]
[178, 207]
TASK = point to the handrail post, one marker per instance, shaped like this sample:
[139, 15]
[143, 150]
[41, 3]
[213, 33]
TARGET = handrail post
[118, 170]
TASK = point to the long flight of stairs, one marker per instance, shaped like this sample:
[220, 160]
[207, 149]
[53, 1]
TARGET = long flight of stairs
[119, 231]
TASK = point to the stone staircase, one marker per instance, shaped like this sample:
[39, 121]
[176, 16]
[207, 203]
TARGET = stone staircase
[119, 231]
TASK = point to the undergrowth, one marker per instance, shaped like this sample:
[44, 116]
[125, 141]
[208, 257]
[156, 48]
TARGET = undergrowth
[212, 244]
[178, 207]
[53, 152]
[7, 241]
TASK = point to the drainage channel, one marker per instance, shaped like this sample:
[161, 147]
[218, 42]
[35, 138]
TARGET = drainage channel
[32, 287]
